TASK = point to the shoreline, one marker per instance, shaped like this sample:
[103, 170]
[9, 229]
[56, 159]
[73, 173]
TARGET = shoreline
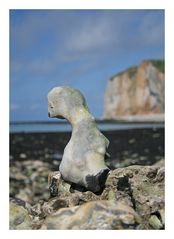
[56, 127]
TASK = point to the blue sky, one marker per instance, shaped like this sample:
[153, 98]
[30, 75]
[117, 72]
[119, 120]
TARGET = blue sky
[79, 48]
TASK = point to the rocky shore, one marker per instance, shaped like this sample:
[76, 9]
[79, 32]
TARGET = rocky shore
[133, 197]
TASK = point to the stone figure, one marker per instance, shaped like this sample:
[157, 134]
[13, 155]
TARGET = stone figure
[83, 159]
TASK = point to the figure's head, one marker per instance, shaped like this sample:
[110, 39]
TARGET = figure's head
[63, 100]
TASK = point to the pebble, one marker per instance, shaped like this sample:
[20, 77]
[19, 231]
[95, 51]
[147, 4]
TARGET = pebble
[131, 141]
[23, 156]
[11, 157]
[135, 155]
[157, 135]
[56, 162]
[146, 150]
[155, 222]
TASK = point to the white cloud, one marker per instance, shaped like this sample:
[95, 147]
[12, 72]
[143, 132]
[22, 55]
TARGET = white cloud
[86, 40]
[14, 106]
[35, 106]
[91, 35]
[41, 65]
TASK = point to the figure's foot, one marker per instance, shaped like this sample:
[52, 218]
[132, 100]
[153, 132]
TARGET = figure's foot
[77, 188]
[96, 183]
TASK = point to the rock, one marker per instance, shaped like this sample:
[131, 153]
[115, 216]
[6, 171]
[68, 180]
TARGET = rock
[93, 215]
[141, 186]
[23, 156]
[138, 187]
[28, 180]
[84, 165]
[155, 222]
[19, 216]
[136, 91]
[160, 163]
[68, 200]
[162, 216]
[133, 198]
[57, 185]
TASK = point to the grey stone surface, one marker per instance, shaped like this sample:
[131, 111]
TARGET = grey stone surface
[133, 198]
[93, 215]
[82, 165]
[140, 188]
[19, 216]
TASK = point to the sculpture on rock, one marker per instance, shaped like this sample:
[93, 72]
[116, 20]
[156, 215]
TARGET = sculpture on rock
[83, 159]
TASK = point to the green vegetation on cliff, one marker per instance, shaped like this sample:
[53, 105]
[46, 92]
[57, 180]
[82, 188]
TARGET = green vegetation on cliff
[159, 64]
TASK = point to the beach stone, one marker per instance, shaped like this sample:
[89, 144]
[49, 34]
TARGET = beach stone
[93, 215]
[23, 156]
[138, 187]
[84, 165]
[155, 222]
[141, 187]
[160, 163]
[19, 217]
[57, 185]
[28, 180]
[68, 200]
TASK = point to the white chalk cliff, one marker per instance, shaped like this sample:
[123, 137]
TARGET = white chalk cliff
[135, 92]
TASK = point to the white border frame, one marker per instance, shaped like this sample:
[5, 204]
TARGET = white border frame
[5, 6]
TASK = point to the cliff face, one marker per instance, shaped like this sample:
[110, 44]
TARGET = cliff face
[136, 91]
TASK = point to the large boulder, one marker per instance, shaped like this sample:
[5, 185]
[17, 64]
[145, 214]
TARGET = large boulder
[137, 192]
[93, 215]
[142, 188]
[133, 198]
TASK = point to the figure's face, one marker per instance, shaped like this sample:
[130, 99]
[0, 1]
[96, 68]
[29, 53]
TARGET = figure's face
[55, 103]
[51, 109]
[62, 102]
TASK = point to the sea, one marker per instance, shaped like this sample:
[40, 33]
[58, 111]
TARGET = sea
[64, 126]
